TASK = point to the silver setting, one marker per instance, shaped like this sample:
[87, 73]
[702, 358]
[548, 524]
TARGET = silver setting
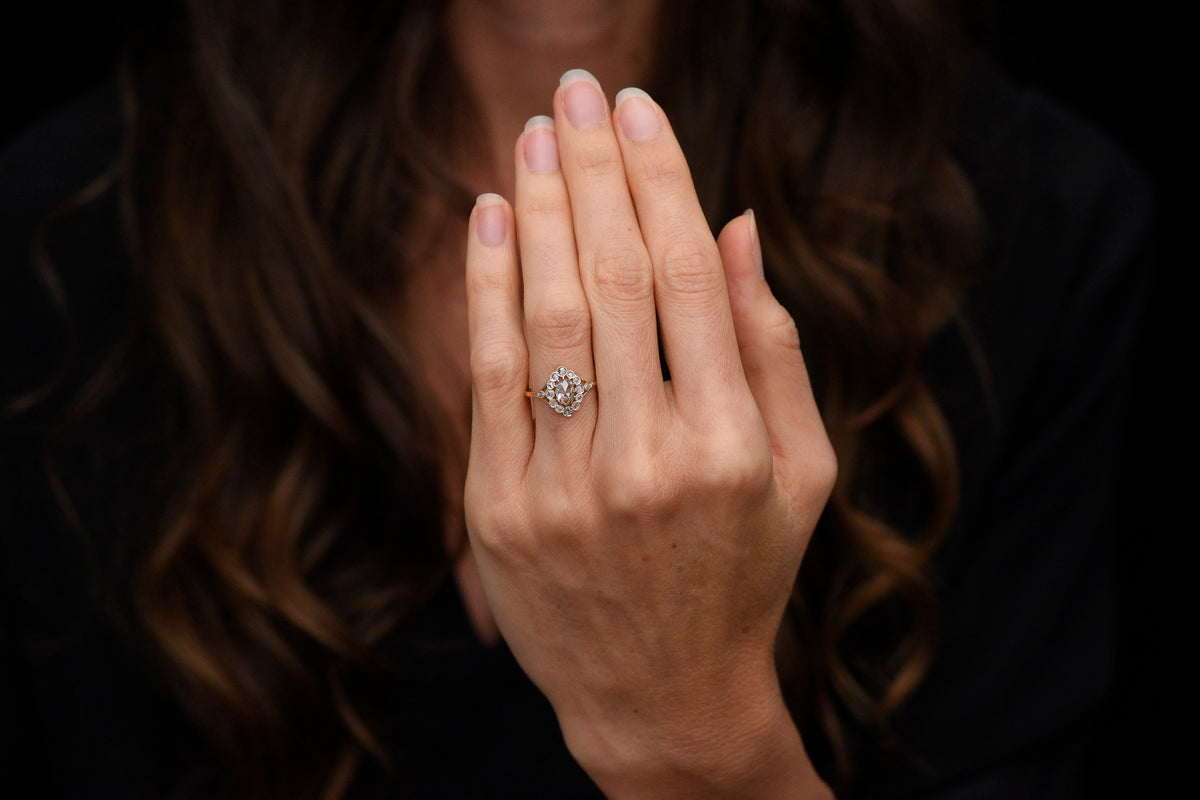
[564, 391]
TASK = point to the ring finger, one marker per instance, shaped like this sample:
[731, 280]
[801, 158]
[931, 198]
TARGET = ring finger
[558, 325]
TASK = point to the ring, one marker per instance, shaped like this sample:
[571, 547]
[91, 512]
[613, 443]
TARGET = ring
[564, 391]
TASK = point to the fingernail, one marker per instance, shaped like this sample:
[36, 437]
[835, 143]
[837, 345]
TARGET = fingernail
[582, 98]
[541, 147]
[755, 245]
[639, 119]
[491, 223]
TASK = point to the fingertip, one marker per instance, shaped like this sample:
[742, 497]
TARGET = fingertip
[539, 121]
[755, 242]
[537, 146]
[637, 113]
[490, 199]
[491, 218]
[573, 75]
[582, 98]
[740, 253]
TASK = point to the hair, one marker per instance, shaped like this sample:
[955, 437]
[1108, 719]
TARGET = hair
[277, 158]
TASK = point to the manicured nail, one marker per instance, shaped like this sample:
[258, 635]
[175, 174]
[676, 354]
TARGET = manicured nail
[639, 118]
[582, 97]
[755, 245]
[491, 223]
[541, 147]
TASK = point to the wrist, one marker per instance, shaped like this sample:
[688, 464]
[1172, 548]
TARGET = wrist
[736, 749]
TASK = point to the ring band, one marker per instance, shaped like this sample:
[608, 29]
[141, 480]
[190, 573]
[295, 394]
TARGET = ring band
[564, 391]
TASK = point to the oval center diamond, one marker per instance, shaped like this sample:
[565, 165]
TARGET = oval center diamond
[562, 391]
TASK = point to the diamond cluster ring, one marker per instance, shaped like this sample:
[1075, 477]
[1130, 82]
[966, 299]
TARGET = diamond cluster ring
[564, 391]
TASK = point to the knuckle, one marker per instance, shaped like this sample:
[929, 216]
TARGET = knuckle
[814, 475]
[497, 366]
[557, 511]
[541, 204]
[562, 325]
[599, 161]
[503, 543]
[824, 470]
[489, 283]
[688, 267]
[735, 462]
[638, 486]
[492, 515]
[621, 273]
[663, 173]
[780, 329]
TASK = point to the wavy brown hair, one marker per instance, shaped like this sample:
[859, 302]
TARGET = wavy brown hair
[278, 155]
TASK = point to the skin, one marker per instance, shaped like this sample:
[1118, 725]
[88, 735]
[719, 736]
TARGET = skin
[510, 54]
[636, 557]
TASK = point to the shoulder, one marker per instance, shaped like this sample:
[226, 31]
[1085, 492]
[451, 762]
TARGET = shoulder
[61, 248]
[72, 500]
[1032, 379]
[1067, 227]
[1029, 158]
[58, 155]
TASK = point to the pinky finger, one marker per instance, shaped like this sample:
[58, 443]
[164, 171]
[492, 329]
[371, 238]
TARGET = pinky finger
[775, 370]
[502, 427]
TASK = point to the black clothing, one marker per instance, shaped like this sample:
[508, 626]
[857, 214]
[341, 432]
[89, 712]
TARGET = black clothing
[1025, 576]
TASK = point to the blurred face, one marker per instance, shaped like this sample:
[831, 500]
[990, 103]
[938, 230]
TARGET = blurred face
[512, 52]
[556, 24]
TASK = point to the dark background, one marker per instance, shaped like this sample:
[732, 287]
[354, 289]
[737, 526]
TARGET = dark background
[1106, 62]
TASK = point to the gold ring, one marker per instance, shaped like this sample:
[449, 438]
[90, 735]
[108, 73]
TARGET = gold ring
[564, 391]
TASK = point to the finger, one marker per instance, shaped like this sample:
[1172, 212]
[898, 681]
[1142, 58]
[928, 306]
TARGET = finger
[689, 282]
[613, 263]
[558, 327]
[770, 353]
[501, 430]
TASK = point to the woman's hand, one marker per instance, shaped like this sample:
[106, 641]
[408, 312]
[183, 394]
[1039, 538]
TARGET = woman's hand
[638, 555]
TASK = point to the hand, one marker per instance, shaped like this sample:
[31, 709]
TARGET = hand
[638, 555]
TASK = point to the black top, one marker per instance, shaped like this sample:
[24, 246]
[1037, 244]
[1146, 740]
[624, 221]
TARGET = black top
[1026, 658]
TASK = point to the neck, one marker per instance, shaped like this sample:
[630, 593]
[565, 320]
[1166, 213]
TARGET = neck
[512, 52]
